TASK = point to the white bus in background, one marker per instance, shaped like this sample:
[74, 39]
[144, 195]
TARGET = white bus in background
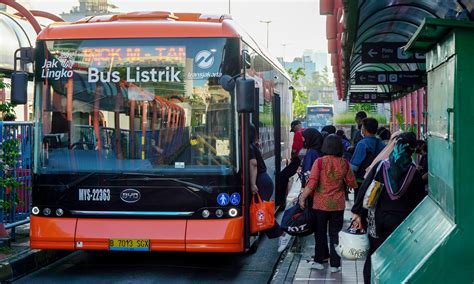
[318, 116]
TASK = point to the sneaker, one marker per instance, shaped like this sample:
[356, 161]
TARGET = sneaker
[335, 269]
[317, 265]
[283, 242]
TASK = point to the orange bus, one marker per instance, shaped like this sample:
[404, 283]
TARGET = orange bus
[138, 145]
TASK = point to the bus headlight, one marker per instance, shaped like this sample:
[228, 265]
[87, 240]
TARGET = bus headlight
[59, 212]
[35, 210]
[205, 213]
[46, 211]
[233, 212]
[219, 213]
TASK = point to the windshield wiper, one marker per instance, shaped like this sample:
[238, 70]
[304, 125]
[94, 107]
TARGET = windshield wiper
[145, 177]
[77, 181]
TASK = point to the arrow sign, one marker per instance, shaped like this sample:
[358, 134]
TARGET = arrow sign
[389, 52]
[406, 78]
[372, 53]
[369, 97]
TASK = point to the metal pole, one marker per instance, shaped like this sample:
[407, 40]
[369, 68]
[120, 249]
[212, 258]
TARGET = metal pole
[267, 33]
[229, 7]
[268, 29]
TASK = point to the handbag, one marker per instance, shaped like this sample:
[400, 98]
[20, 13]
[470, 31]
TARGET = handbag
[262, 214]
[298, 222]
[373, 191]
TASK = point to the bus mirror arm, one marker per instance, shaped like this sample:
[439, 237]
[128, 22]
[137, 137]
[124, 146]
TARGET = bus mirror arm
[227, 82]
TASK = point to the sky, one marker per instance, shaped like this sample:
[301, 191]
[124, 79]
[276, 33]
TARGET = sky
[295, 24]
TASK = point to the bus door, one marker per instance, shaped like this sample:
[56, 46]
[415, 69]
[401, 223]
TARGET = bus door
[280, 191]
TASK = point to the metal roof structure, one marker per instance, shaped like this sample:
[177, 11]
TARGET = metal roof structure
[16, 32]
[355, 22]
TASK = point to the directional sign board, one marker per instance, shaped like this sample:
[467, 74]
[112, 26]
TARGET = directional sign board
[390, 78]
[389, 52]
[364, 97]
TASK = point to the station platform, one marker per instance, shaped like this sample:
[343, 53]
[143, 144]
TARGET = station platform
[295, 265]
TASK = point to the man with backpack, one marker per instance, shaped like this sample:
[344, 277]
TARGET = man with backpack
[366, 150]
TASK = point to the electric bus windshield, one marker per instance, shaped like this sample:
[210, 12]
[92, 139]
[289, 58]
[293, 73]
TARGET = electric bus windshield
[128, 105]
[318, 116]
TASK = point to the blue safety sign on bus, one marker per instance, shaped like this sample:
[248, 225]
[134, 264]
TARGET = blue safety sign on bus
[235, 198]
[223, 199]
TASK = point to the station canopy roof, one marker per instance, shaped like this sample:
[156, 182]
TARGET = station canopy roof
[367, 21]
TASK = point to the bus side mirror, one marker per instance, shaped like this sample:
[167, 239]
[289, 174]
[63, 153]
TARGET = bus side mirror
[245, 94]
[19, 88]
[19, 94]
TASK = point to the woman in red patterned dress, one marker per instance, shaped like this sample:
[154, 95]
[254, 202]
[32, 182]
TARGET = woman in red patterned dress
[330, 175]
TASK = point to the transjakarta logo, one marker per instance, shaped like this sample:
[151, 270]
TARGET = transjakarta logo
[163, 74]
[204, 59]
[50, 69]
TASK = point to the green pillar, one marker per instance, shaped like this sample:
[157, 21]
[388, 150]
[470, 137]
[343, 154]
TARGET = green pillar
[435, 244]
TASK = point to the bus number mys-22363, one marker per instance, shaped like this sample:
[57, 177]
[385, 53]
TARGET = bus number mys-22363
[94, 194]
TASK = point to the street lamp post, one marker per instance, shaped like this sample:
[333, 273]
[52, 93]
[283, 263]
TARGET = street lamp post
[284, 45]
[268, 24]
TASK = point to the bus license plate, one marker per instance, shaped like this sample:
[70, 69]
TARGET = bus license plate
[129, 245]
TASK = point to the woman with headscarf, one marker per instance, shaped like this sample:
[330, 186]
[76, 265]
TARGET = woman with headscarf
[312, 142]
[330, 175]
[260, 182]
[401, 192]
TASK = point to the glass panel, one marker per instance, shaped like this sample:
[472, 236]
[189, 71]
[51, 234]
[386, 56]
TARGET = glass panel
[128, 105]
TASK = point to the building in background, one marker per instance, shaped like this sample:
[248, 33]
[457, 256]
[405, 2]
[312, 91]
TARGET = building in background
[88, 8]
[318, 57]
[304, 62]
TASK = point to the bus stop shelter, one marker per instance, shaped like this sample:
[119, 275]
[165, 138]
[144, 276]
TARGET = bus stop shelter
[364, 40]
[415, 55]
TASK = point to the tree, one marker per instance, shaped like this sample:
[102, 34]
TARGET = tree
[315, 84]
[362, 107]
[299, 97]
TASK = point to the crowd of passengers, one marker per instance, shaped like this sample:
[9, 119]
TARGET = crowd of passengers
[330, 166]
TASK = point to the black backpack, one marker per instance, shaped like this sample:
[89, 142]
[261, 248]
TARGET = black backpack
[369, 158]
[297, 222]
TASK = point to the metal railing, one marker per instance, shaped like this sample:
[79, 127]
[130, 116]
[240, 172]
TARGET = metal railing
[16, 147]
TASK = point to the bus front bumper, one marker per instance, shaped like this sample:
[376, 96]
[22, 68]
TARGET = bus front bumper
[214, 235]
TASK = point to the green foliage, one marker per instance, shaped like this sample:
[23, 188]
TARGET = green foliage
[307, 89]
[3, 85]
[400, 120]
[362, 107]
[349, 118]
[299, 97]
[7, 111]
[315, 84]
[9, 153]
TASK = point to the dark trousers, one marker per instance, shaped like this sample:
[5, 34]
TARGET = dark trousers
[335, 219]
[265, 189]
[288, 172]
[374, 245]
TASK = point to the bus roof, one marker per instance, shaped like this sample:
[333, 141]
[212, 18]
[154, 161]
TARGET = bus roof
[143, 25]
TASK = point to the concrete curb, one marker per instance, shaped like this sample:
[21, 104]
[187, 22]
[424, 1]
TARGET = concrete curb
[28, 262]
[285, 263]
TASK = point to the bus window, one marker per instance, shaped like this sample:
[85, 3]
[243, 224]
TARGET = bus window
[119, 101]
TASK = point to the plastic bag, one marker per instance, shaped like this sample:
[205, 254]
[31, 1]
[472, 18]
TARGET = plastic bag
[262, 214]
